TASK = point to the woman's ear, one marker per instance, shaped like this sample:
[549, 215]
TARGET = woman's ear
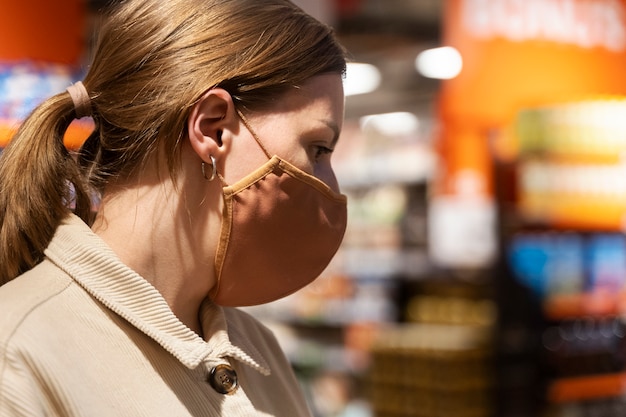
[206, 123]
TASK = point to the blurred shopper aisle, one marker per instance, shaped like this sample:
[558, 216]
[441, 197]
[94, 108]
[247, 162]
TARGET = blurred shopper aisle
[482, 272]
[42, 46]
[493, 233]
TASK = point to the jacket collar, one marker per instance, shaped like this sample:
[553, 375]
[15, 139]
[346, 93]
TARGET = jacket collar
[78, 251]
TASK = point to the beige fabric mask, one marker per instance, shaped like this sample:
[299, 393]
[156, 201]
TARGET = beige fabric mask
[280, 229]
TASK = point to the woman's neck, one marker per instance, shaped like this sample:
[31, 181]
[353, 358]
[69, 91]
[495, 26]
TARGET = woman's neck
[142, 227]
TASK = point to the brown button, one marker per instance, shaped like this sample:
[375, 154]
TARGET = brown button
[223, 379]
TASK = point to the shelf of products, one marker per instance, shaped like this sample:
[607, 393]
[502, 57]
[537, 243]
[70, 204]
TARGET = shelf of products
[571, 168]
[432, 370]
[438, 361]
[564, 250]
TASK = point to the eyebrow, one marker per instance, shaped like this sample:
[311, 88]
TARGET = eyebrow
[335, 128]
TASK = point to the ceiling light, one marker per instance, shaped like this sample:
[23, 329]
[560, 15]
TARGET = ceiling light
[391, 124]
[360, 79]
[442, 63]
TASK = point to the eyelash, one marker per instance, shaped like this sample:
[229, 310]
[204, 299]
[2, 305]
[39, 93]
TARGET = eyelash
[322, 150]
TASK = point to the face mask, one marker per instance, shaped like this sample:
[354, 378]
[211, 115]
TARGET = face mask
[280, 229]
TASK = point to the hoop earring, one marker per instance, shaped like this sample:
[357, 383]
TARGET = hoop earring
[213, 169]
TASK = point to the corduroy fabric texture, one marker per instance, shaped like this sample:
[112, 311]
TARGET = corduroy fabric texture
[81, 334]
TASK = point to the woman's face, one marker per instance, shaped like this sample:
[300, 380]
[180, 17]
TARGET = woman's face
[301, 128]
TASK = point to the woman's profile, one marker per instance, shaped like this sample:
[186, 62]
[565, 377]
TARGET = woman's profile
[215, 121]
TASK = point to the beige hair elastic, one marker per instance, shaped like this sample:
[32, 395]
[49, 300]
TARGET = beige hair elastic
[81, 99]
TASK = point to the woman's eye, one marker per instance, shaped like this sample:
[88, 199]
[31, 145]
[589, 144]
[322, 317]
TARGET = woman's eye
[321, 151]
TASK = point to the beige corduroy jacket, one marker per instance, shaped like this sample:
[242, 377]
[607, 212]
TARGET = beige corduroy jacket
[81, 334]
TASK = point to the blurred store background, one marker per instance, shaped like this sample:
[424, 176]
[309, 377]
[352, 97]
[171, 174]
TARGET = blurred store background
[484, 264]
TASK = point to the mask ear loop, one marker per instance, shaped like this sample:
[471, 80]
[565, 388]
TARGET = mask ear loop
[254, 135]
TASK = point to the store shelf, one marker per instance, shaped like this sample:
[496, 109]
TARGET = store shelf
[563, 207]
[587, 388]
[432, 370]
[582, 215]
[587, 130]
[386, 263]
[585, 195]
[401, 165]
[579, 305]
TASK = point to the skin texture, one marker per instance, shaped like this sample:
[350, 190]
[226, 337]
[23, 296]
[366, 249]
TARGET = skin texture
[168, 232]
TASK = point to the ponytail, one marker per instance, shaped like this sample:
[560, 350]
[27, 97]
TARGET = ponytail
[39, 182]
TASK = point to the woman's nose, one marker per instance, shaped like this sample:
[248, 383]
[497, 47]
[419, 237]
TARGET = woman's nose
[326, 174]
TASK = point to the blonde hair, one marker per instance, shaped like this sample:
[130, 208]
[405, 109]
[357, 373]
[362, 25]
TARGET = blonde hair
[152, 61]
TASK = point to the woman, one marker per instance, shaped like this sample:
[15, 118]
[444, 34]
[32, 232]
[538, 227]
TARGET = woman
[214, 121]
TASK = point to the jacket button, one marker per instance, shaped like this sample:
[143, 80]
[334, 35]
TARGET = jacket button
[223, 379]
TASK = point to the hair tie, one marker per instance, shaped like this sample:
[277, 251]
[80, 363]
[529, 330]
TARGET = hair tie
[81, 99]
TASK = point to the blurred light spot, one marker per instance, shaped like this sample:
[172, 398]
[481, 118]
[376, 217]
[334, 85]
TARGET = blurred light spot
[361, 78]
[391, 124]
[442, 63]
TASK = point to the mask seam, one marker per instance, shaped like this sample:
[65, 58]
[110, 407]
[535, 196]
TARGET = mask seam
[311, 180]
[223, 246]
[258, 174]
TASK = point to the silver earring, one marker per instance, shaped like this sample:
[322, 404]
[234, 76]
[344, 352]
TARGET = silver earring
[213, 169]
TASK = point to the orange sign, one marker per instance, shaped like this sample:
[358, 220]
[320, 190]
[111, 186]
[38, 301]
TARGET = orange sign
[520, 54]
[43, 30]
